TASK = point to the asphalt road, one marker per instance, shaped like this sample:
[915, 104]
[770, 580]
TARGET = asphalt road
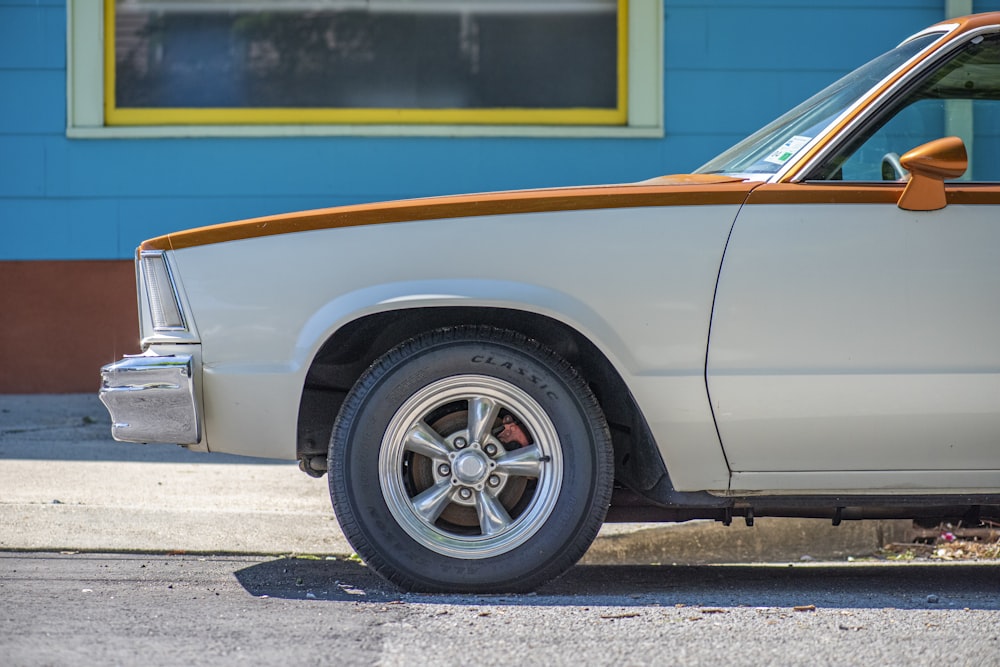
[92, 609]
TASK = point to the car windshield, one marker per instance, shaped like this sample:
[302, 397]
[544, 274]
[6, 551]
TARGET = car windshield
[768, 149]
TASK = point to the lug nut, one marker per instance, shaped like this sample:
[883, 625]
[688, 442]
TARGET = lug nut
[465, 493]
[444, 469]
[491, 449]
[494, 480]
[461, 443]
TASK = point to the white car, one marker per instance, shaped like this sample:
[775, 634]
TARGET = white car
[808, 325]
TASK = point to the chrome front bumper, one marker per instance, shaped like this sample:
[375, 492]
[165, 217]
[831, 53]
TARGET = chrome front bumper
[151, 399]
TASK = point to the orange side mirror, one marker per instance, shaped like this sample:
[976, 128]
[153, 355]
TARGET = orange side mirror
[930, 165]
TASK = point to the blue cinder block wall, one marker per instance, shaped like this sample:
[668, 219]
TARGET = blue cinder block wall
[730, 66]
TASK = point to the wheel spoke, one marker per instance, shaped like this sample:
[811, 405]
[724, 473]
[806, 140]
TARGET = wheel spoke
[493, 516]
[422, 439]
[431, 502]
[482, 413]
[523, 462]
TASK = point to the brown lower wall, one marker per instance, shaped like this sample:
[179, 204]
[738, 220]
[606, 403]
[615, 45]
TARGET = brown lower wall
[63, 320]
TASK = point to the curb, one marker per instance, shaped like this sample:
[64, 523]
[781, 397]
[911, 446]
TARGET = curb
[770, 540]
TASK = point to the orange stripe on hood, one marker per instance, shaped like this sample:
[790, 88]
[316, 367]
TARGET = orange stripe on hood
[682, 190]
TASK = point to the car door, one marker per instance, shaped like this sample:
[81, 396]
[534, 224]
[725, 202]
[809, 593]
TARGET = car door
[855, 344]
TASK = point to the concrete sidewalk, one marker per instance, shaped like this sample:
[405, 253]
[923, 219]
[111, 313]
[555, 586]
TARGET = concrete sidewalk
[65, 485]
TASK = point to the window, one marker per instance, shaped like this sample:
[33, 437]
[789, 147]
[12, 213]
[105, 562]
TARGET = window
[767, 150]
[224, 67]
[960, 97]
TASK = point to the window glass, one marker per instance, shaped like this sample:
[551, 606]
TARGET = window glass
[768, 149]
[381, 56]
[960, 98]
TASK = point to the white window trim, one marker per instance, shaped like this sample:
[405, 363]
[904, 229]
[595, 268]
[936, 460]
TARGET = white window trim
[85, 92]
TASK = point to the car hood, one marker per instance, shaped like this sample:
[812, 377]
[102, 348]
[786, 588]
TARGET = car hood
[673, 190]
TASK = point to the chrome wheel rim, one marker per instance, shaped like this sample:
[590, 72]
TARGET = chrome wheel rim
[452, 477]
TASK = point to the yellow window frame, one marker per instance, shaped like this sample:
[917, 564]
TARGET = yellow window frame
[165, 116]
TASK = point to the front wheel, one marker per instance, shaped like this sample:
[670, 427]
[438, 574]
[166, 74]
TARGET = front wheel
[470, 460]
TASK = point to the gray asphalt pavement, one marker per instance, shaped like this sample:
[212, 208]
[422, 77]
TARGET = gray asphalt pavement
[65, 485]
[136, 609]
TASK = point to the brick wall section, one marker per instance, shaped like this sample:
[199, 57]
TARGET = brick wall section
[62, 322]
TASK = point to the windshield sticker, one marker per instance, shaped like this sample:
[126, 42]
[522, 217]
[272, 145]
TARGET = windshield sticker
[787, 150]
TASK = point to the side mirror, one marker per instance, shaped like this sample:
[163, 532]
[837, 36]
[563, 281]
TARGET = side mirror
[929, 166]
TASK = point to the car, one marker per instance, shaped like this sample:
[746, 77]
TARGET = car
[806, 326]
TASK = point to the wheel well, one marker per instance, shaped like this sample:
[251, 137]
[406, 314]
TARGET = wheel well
[352, 349]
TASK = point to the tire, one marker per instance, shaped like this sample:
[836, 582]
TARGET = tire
[470, 460]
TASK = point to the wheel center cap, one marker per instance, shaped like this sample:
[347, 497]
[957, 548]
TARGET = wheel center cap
[470, 467]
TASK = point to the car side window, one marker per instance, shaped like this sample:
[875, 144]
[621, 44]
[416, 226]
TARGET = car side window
[959, 98]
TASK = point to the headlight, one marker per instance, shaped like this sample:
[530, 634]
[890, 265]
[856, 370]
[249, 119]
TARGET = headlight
[164, 306]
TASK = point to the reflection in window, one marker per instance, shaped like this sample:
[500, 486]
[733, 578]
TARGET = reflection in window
[382, 54]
